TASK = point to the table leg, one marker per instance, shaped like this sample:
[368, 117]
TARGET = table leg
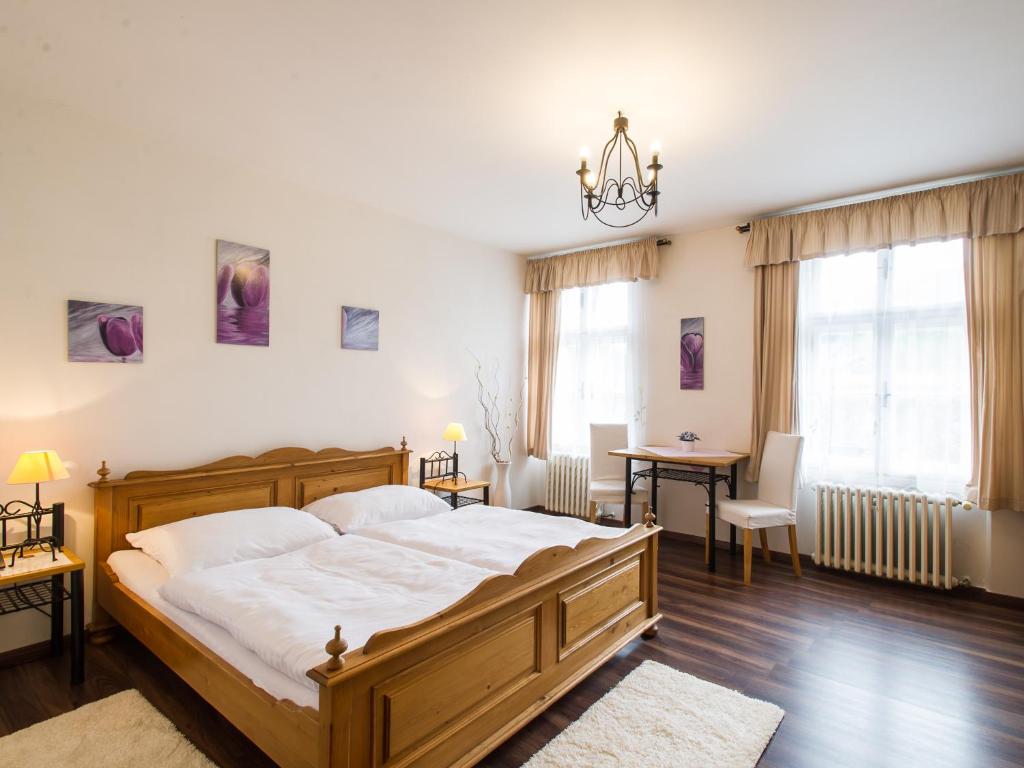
[712, 514]
[77, 627]
[56, 615]
[654, 489]
[732, 495]
[628, 499]
[487, 495]
[455, 500]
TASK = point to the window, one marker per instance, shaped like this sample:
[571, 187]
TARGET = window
[883, 369]
[593, 373]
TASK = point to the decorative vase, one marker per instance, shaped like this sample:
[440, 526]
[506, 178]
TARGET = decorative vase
[502, 491]
[686, 446]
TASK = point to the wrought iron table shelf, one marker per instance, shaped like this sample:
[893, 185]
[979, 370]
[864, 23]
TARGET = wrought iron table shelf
[684, 476]
[460, 501]
[36, 595]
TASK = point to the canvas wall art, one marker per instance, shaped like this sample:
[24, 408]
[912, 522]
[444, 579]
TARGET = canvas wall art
[243, 294]
[360, 328]
[691, 353]
[104, 333]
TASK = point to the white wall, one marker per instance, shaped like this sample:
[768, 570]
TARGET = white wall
[702, 275]
[90, 211]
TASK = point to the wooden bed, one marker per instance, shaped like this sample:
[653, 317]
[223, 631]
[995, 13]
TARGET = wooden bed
[445, 691]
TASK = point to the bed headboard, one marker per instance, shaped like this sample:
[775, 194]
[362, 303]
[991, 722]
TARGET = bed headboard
[286, 477]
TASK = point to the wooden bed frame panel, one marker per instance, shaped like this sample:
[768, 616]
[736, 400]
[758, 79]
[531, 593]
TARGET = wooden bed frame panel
[444, 691]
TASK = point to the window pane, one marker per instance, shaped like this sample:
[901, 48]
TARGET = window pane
[592, 375]
[883, 369]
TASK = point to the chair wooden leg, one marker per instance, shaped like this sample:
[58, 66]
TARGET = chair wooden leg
[765, 552]
[593, 511]
[707, 539]
[748, 554]
[793, 552]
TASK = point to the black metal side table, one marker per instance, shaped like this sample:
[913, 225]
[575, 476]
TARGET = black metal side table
[42, 589]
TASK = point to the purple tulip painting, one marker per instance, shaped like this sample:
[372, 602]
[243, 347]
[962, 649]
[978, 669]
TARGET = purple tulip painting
[104, 333]
[243, 294]
[691, 353]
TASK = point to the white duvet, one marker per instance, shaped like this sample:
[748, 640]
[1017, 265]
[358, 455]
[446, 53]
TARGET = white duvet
[284, 608]
[495, 538]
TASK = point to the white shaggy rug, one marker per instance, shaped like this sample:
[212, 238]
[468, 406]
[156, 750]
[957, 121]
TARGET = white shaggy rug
[120, 731]
[658, 716]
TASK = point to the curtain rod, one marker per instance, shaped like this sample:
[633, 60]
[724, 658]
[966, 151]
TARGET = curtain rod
[660, 242]
[881, 194]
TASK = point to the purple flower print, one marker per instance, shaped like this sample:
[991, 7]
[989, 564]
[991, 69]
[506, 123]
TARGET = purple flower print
[250, 286]
[117, 335]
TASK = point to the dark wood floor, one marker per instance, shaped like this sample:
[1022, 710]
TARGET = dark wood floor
[869, 673]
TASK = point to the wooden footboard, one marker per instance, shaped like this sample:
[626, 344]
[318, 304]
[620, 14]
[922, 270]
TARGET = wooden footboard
[450, 689]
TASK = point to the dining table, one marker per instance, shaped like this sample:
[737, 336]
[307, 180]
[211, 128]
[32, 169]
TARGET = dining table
[706, 468]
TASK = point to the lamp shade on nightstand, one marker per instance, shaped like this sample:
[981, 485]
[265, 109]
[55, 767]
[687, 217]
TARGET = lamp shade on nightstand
[37, 467]
[454, 432]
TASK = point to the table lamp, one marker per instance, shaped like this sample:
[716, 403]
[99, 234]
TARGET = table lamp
[37, 467]
[456, 433]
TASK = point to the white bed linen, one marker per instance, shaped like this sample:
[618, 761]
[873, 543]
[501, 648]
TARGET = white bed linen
[284, 608]
[495, 538]
[144, 576]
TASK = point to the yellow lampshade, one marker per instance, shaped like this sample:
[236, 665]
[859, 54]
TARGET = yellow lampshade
[454, 432]
[37, 467]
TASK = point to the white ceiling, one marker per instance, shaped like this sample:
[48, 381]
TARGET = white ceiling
[468, 116]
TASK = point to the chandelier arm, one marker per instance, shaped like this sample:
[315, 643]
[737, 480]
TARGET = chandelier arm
[602, 169]
[636, 162]
[623, 226]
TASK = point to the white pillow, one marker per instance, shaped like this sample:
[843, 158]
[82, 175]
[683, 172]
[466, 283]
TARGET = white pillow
[381, 504]
[228, 537]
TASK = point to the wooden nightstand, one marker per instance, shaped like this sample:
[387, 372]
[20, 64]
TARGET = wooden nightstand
[454, 489]
[36, 582]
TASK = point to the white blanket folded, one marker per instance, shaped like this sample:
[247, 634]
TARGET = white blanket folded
[495, 538]
[284, 608]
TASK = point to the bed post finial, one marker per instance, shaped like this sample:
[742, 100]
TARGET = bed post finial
[404, 444]
[648, 518]
[103, 472]
[335, 647]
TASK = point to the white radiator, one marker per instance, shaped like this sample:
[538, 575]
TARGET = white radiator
[568, 485]
[893, 534]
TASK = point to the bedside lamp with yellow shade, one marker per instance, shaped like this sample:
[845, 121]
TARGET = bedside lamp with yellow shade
[456, 433]
[33, 467]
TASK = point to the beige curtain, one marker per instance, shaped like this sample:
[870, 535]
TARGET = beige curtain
[614, 264]
[775, 303]
[543, 352]
[994, 271]
[992, 206]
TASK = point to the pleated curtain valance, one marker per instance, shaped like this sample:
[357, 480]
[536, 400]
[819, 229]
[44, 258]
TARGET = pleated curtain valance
[637, 260]
[993, 206]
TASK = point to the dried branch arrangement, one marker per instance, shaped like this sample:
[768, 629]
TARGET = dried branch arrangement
[502, 411]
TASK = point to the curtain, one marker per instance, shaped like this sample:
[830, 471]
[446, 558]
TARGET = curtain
[993, 206]
[546, 278]
[632, 261]
[994, 271]
[775, 306]
[543, 353]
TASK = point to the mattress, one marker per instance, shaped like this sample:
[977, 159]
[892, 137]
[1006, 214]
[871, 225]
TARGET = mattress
[495, 538]
[144, 576]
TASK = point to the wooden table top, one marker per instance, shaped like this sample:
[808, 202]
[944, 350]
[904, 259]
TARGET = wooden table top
[56, 569]
[454, 486]
[697, 458]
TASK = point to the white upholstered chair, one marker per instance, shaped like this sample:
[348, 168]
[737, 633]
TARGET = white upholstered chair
[775, 505]
[607, 473]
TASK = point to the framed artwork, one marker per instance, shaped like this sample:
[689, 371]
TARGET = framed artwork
[104, 333]
[243, 294]
[360, 328]
[691, 353]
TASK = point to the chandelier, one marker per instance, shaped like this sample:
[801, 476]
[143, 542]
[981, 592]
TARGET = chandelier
[618, 183]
